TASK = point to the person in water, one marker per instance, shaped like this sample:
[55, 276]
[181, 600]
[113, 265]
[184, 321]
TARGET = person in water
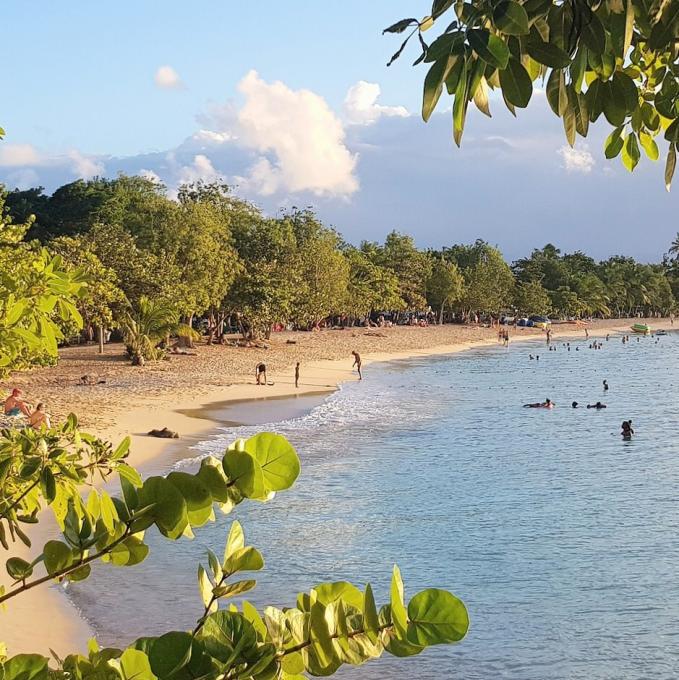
[357, 363]
[574, 404]
[605, 385]
[15, 405]
[627, 430]
[597, 406]
[547, 403]
[260, 373]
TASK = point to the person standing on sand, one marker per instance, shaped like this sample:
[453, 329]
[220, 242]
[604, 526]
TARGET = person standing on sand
[357, 363]
[297, 374]
[586, 334]
[260, 374]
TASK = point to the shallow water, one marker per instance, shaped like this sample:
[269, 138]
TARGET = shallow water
[561, 538]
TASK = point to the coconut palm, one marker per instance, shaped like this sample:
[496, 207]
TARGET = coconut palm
[148, 325]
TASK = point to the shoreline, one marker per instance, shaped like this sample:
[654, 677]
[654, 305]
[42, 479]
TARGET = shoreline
[196, 418]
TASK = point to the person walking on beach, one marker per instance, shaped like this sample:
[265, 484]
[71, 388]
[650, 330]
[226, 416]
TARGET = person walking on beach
[357, 363]
[260, 374]
[297, 374]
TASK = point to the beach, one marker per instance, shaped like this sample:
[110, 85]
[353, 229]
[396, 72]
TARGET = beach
[191, 393]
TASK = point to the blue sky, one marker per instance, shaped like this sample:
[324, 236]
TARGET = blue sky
[292, 103]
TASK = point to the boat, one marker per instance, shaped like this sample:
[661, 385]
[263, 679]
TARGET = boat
[642, 328]
[660, 331]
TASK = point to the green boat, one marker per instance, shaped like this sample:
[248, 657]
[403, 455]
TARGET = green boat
[642, 328]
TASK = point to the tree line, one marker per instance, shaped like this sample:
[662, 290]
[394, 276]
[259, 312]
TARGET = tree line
[151, 264]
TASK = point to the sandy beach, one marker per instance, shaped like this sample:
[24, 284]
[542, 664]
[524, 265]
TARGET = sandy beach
[191, 395]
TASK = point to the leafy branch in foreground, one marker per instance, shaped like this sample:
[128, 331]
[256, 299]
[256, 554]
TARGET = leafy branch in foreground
[333, 624]
[618, 58]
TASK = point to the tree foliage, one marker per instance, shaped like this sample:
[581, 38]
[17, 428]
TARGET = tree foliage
[333, 624]
[616, 58]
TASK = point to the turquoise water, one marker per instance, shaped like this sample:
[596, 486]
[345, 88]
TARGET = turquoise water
[562, 539]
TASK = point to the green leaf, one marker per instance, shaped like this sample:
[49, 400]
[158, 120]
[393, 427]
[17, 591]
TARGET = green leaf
[25, 667]
[489, 47]
[629, 27]
[169, 507]
[592, 33]
[398, 610]
[630, 152]
[18, 569]
[672, 132]
[516, 84]
[627, 90]
[613, 103]
[236, 588]
[460, 105]
[569, 125]
[555, 92]
[211, 474]
[511, 18]
[277, 458]
[670, 166]
[436, 617]
[48, 485]
[205, 587]
[235, 540]
[244, 470]
[433, 86]
[546, 53]
[244, 559]
[649, 145]
[223, 630]
[135, 665]
[370, 620]
[197, 497]
[400, 26]
[57, 556]
[614, 143]
[595, 99]
[170, 653]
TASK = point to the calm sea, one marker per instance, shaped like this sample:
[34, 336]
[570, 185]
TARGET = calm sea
[562, 539]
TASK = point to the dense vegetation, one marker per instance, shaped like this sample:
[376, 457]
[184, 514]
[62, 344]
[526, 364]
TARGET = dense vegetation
[616, 58]
[155, 265]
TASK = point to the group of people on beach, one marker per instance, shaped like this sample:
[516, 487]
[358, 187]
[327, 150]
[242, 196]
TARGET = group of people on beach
[15, 406]
[261, 379]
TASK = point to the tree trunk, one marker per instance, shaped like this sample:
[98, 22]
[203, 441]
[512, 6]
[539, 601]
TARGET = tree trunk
[101, 339]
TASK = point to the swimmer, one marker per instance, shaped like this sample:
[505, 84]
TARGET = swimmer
[574, 404]
[597, 406]
[605, 386]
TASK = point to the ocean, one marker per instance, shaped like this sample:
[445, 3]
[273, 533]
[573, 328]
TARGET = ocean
[561, 538]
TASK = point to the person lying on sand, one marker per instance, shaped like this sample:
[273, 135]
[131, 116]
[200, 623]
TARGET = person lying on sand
[15, 405]
[597, 406]
[39, 417]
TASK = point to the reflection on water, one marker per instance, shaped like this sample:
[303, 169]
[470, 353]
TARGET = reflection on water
[561, 538]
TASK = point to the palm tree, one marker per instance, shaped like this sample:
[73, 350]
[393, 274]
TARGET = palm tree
[674, 248]
[152, 322]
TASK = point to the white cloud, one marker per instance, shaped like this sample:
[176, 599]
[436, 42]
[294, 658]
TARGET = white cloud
[167, 78]
[577, 160]
[85, 167]
[200, 169]
[361, 107]
[150, 175]
[298, 140]
[18, 155]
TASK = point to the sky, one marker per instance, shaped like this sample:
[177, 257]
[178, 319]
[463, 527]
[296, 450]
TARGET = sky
[293, 105]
